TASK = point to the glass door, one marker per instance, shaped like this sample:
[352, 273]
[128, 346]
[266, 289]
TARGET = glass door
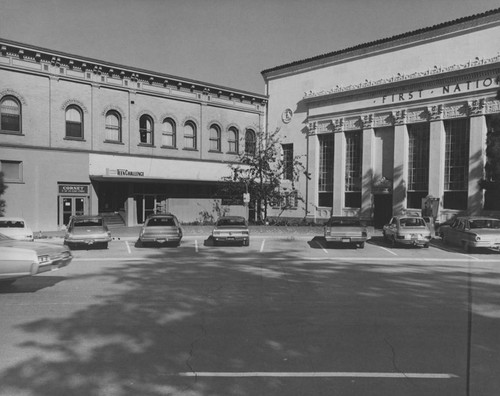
[71, 206]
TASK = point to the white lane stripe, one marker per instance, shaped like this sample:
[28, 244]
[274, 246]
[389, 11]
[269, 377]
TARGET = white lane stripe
[319, 374]
[321, 246]
[128, 247]
[196, 245]
[262, 245]
[387, 250]
[399, 258]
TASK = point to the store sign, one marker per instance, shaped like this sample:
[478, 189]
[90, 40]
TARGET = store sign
[124, 172]
[73, 189]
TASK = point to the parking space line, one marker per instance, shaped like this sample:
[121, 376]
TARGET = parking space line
[321, 246]
[387, 250]
[128, 247]
[196, 245]
[262, 245]
[319, 375]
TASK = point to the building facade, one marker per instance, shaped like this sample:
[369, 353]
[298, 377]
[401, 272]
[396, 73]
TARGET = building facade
[83, 136]
[389, 126]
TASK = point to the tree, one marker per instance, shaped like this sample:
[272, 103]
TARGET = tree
[260, 172]
[3, 187]
[491, 181]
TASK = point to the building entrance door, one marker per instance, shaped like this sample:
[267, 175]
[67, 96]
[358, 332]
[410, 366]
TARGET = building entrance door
[148, 205]
[382, 209]
[71, 206]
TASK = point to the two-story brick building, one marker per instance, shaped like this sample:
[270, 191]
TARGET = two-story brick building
[385, 124]
[85, 136]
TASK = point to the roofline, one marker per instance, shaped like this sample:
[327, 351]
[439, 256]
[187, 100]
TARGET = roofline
[129, 68]
[381, 41]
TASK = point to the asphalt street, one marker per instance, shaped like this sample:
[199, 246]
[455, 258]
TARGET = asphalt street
[287, 315]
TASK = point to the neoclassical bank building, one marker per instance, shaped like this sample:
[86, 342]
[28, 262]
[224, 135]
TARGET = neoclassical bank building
[387, 125]
[86, 136]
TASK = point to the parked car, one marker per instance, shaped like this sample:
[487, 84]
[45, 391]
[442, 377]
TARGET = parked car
[87, 231]
[16, 228]
[19, 259]
[471, 232]
[346, 230]
[407, 230]
[161, 229]
[231, 229]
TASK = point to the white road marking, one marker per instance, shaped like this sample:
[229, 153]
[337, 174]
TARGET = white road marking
[318, 374]
[196, 245]
[262, 245]
[387, 250]
[128, 247]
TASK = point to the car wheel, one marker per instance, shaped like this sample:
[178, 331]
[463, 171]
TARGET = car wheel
[393, 241]
[216, 243]
[7, 282]
[246, 242]
[465, 247]
[362, 245]
[426, 246]
[105, 245]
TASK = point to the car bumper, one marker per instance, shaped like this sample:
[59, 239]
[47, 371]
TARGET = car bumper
[160, 239]
[54, 264]
[231, 238]
[414, 241]
[345, 239]
[486, 245]
[87, 241]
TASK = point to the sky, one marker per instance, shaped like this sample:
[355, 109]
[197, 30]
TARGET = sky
[223, 42]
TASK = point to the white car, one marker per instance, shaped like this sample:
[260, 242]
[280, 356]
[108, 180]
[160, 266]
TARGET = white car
[16, 228]
[19, 259]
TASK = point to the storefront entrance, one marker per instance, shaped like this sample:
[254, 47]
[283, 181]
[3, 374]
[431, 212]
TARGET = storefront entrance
[150, 204]
[71, 206]
[382, 209]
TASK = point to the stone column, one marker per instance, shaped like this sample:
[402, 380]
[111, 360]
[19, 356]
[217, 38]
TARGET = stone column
[477, 156]
[338, 172]
[437, 145]
[367, 167]
[400, 162]
[312, 165]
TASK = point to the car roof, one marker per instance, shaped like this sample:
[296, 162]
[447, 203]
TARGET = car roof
[12, 219]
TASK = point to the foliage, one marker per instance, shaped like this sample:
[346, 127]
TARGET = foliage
[207, 217]
[3, 187]
[260, 172]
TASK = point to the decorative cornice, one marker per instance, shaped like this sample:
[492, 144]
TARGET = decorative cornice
[434, 71]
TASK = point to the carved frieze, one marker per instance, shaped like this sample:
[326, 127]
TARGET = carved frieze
[492, 106]
[435, 112]
[399, 117]
[417, 115]
[324, 126]
[455, 110]
[352, 124]
[382, 120]
[338, 125]
[367, 121]
[476, 107]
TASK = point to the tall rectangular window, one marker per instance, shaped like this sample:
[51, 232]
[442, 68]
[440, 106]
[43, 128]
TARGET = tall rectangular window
[492, 167]
[418, 164]
[456, 168]
[325, 177]
[353, 171]
[287, 161]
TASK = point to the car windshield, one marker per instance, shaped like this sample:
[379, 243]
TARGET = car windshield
[88, 223]
[11, 224]
[484, 223]
[412, 222]
[344, 222]
[231, 222]
[161, 222]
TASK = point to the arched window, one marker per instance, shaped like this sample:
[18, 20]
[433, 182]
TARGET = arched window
[232, 139]
[168, 137]
[146, 129]
[10, 110]
[74, 122]
[215, 138]
[190, 136]
[113, 126]
[250, 142]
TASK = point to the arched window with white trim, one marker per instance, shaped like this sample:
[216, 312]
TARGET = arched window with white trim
[74, 122]
[10, 115]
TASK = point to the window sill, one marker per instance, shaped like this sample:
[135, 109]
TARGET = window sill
[114, 142]
[12, 133]
[233, 152]
[169, 147]
[215, 151]
[74, 139]
[189, 149]
[146, 145]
